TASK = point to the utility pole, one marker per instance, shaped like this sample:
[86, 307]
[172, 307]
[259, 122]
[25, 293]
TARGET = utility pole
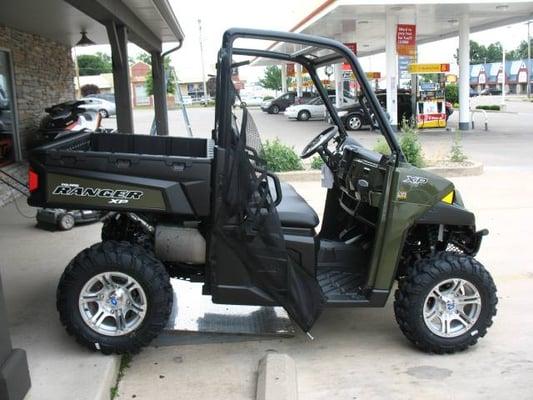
[528, 80]
[202, 59]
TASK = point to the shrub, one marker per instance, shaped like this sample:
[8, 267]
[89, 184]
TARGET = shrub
[280, 157]
[317, 162]
[490, 107]
[411, 147]
[382, 147]
[89, 89]
[451, 92]
[455, 105]
[456, 152]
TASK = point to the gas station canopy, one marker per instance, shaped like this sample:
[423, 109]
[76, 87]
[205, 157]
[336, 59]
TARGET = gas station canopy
[364, 21]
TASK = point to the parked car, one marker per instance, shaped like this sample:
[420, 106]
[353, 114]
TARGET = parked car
[281, 103]
[186, 99]
[65, 220]
[103, 107]
[491, 92]
[250, 101]
[105, 96]
[473, 93]
[354, 117]
[314, 109]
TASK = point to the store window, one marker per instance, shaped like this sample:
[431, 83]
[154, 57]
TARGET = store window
[7, 113]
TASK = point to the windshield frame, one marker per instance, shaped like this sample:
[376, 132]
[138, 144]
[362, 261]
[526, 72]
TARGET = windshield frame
[340, 52]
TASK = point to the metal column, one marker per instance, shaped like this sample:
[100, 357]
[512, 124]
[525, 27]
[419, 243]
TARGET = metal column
[118, 39]
[339, 84]
[284, 78]
[392, 67]
[160, 94]
[299, 80]
[464, 73]
[14, 374]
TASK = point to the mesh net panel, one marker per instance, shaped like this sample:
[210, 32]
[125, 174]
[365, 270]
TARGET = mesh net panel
[249, 225]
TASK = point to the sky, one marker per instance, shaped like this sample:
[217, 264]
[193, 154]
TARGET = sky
[218, 15]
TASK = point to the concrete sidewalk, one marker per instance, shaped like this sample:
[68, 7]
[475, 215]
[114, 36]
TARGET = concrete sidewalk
[31, 264]
[361, 353]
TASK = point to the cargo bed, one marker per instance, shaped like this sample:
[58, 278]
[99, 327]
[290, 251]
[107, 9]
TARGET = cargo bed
[124, 172]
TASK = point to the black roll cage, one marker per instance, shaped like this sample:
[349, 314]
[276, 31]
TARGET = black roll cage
[222, 132]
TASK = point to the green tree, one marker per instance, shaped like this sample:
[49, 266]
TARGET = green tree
[94, 64]
[272, 78]
[169, 72]
[451, 93]
[493, 52]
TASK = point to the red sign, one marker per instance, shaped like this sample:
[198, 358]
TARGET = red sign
[445, 68]
[406, 39]
[290, 70]
[353, 48]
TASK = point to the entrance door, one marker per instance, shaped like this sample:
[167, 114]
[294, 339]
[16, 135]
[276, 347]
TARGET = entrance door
[8, 146]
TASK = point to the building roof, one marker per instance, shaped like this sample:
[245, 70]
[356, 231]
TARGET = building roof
[150, 22]
[512, 69]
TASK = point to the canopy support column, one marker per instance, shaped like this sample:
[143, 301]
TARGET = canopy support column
[299, 80]
[14, 374]
[284, 78]
[160, 94]
[339, 84]
[118, 39]
[464, 73]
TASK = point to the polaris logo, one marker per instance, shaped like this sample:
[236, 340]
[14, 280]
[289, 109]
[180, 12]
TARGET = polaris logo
[115, 196]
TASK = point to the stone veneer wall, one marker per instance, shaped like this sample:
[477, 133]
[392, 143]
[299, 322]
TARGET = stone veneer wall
[44, 75]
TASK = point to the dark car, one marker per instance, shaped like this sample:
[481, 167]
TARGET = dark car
[491, 92]
[355, 116]
[280, 103]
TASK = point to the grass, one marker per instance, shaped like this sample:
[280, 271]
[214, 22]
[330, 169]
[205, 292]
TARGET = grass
[125, 362]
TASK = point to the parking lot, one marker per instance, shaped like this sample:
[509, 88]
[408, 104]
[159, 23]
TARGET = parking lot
[356, 353]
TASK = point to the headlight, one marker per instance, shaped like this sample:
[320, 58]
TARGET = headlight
[448, 199]
[342, 113]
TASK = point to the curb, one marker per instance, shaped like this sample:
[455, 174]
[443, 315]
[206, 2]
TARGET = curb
[276, 378]
[109, 381]
[447, 172]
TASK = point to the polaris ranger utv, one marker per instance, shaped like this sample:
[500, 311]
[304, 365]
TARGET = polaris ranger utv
[208, 210]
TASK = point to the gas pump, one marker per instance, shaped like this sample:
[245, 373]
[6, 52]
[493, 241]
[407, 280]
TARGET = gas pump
[430, 98]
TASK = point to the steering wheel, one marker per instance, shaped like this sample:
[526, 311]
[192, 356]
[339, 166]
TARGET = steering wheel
[319, 141]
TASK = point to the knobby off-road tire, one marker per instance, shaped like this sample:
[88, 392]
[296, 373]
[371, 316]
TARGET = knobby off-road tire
[128, 265]
[416, 291]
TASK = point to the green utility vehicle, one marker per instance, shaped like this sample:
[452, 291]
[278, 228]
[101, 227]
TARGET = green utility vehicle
[208, 210]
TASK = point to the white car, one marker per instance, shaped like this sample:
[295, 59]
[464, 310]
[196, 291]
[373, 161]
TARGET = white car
[103, 107]
[315, 109]
[250, 101]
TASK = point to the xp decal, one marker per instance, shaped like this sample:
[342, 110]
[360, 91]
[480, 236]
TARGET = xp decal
[415, 180]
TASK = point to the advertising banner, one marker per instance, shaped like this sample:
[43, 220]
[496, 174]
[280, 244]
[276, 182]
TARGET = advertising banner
[428, 68]
[352, 47]
[406, 39]
[290, 70]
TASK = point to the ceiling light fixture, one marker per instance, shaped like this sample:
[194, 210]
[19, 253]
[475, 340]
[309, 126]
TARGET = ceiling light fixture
[84, 41]
[502, 7]
[363, 21]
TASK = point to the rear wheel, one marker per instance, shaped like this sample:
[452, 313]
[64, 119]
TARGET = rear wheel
[103, 113]
[354, 122]
[114, 297]
[304, 115]
[274, 109]
[445, 303]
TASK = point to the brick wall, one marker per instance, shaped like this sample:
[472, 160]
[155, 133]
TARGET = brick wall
[44, 75]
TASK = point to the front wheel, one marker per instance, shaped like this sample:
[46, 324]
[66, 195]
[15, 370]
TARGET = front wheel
[114, 297]
[445, 303]
[304, 115]
[354, 122]
[274, 109]
[103, 113]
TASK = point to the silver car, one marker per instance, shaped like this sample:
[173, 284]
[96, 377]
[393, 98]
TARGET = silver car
[103, 107]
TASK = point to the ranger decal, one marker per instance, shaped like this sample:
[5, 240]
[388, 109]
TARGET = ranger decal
[67, 189]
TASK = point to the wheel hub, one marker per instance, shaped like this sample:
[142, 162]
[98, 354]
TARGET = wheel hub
[452, 308]
[112, 304]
